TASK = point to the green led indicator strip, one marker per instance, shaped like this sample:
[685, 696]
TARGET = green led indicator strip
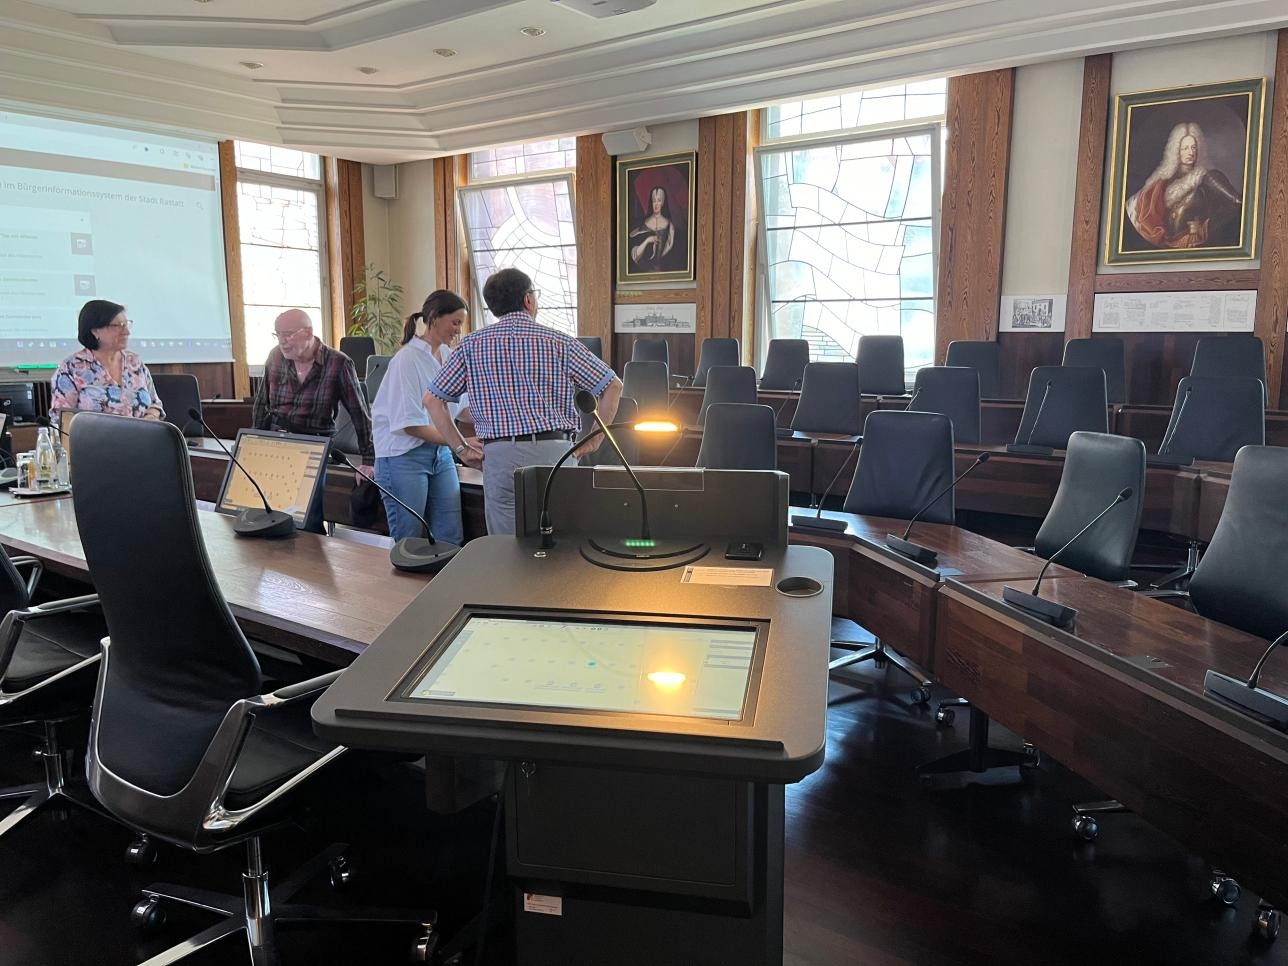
[634, 543]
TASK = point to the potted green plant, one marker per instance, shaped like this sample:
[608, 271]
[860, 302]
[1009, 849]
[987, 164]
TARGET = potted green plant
[377, 310]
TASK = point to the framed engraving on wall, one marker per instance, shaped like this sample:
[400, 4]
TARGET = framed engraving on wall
[655, 209]
[1185, 174]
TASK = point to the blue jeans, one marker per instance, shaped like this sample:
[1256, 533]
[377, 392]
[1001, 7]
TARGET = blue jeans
[424, 477]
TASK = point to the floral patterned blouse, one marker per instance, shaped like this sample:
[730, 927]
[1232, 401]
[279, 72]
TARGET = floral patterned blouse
[82, 382]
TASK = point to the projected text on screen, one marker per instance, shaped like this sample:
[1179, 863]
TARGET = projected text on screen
[88, 211]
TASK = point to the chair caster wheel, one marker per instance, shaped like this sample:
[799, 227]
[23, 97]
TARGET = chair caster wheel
[1224, 889]
[945, 717]
[148, 913]
[141, 851]
[921, 695]
[425, 948]
[1266, 926]
[1086, 828]
[341, 872]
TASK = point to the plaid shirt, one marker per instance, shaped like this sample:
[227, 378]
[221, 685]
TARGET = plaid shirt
[521, 377]
[309, 407]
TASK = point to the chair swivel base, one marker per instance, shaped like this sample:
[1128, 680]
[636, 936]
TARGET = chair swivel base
[877, 652]
[36, 796]
[257, 910]
[978, 764]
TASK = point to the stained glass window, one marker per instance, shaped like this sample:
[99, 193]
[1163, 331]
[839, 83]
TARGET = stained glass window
[526, 225]
[516, 160]
[856, 109]
[848, 226]
[279, 218]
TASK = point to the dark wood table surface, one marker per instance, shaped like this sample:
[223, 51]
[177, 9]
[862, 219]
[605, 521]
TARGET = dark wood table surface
[321, 596]
[1120, 701]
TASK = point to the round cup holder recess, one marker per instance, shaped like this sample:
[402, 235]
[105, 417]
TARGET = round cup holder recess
[799, 586]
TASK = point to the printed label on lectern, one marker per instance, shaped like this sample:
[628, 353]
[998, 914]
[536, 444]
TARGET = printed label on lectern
[728, 576]
[545, 905]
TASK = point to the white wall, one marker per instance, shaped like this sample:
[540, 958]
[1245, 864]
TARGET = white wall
[375, 223]
[409, 243]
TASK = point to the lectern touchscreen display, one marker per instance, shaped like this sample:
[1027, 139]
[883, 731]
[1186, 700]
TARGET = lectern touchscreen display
[638, 667]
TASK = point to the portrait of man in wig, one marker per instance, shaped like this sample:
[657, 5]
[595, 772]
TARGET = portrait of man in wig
[1184, 203]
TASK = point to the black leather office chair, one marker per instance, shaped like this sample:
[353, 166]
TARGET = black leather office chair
[377, 366]
[1075, 402]
[785, 363]
[48, 657]
[179, 392]
[952, 392]
[880, 359]
[651, 350]
[627, 439]
[648, 384]
[1102, 352]
[906, 458]
[1229, 356]
[1212, 419]
[183, 745]
[1097, 467]
[594, 343]
[715, 352]
[984, 357]
[345, 438]
[829, 400]
[727, 384]
[358, 348]
[738, 436]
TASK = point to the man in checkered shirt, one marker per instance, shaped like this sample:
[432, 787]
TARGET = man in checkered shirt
[521, 378]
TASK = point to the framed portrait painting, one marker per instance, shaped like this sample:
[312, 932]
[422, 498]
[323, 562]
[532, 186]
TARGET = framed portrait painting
[1185, 174]
[655, 207]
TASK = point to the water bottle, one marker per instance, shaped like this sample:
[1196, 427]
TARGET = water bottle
[46, 461]
[63, 472]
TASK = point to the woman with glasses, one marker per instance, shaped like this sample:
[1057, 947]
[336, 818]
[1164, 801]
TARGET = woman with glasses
[104, 376]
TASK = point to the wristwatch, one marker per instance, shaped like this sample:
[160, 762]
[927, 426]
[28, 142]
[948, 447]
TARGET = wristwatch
[464, 446]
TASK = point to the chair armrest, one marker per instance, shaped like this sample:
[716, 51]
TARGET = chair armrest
[37, 569]
[59, 607]
[302, 689]
[1181, 595]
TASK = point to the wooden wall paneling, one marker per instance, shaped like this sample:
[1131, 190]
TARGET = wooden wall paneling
[336, 227]
[658, 295]
[1272, 291]
[1021, 353]
[973, 217]
[738, 162]
[681, 348]
[451, 259]
[1084, 249]
[706, 223]
[353, 244]
[593, 187]
[1177, 282]
[233, 267]
[722, 210]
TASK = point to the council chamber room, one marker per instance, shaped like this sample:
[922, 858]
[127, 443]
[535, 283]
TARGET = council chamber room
[565, 483]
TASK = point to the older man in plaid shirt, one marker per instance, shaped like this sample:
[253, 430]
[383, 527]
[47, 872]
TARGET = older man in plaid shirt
[521, 378]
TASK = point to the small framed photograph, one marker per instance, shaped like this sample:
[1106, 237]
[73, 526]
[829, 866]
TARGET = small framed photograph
[655, 208]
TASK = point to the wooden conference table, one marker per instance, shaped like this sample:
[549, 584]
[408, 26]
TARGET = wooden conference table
[1119, 699]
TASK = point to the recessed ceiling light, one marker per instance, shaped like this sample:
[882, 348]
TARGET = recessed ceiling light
[533, 31]
[444, 51]
[201, 1]
[369, 70]
[251, 64]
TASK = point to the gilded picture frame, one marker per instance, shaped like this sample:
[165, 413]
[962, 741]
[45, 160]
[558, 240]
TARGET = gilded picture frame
[1185, 174]
[655, 219]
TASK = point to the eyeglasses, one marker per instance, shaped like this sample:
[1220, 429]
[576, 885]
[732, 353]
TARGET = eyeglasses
[127, 324]
[535, 292]
[283, 336]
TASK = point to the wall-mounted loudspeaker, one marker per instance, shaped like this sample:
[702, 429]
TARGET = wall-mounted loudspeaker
[628, 142]
[384, 180]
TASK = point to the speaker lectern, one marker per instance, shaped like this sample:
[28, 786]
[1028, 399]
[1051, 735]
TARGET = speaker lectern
[651, 718]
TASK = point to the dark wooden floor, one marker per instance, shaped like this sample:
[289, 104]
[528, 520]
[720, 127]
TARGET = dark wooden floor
[880, 870]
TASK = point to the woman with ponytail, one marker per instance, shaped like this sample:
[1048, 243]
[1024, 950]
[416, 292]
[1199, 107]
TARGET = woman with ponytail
[412, 459]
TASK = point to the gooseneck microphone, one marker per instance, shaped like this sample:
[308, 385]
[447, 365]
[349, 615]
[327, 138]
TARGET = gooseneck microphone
[588, 406]
[817, 521]
[1247, 696]
[781, 432]
[415, 554]
[1055, 614]
[249, 521]
[1164, 456]
[913, 551]
[1027, 446]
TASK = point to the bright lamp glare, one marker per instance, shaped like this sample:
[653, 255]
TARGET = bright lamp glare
[668, 680]
[655, 426]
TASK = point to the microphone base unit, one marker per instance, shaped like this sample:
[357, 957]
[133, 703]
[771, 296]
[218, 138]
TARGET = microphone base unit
[640, 554]
[1261, 704]
[811, 522]
[1028, 449]
[419, 555]
[1057, 615]
[913, 551]
[1161, 459]
[264, 523]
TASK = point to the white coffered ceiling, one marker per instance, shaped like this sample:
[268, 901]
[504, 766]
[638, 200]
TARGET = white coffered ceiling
[179, 63]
